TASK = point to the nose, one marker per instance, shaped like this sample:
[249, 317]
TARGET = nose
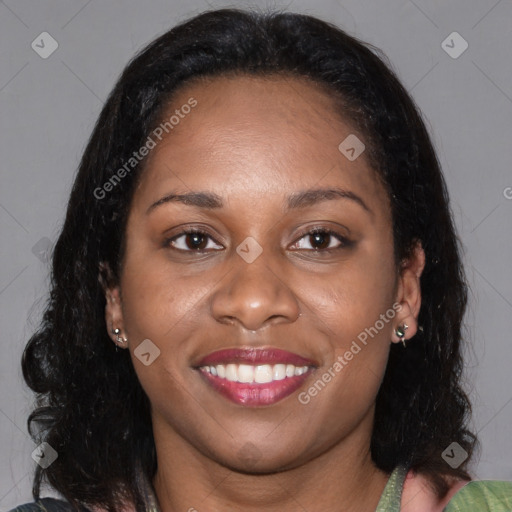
[254, 296]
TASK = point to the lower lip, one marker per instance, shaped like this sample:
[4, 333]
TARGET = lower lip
[253, 395]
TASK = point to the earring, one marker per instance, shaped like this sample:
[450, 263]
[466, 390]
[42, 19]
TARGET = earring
[400, 332]
[119, 339]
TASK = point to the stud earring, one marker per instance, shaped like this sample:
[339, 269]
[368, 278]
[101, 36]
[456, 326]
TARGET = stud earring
[119, 339]
[400, 332]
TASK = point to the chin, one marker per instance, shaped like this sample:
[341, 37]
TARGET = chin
[254, 459]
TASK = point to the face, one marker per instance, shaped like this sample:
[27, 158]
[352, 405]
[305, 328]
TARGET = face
[279, 242]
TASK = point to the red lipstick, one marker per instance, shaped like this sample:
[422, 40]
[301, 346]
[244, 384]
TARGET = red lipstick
[254, 356]
[255, 377]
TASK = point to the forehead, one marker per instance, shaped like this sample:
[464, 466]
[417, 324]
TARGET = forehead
[256, 135]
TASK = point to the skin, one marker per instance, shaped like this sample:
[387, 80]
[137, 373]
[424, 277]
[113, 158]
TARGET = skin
[253, 142]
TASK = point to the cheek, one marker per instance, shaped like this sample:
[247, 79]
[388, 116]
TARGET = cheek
[353, 307]
[162, 305]
[156, 299]
[147, 302]
[352, 298]
[157, 308]
[355, 313]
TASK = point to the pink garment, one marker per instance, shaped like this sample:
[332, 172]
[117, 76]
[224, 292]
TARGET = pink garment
[418, 496]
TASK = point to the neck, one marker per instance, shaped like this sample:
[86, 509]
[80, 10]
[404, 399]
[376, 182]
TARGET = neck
[341, 478]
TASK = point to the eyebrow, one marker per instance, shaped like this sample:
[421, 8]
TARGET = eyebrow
[211, 201]
[310, 197]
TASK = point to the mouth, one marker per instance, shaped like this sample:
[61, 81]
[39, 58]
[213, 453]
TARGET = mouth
[255, 377]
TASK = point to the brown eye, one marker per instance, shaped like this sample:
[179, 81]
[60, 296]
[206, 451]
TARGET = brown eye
[196, 241]
[321, 240]
[192, 241]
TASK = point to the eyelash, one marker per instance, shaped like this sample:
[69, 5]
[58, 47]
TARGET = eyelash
[344, 242]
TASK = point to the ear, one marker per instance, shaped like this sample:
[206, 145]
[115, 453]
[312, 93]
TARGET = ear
[113, 307]
[409, 292]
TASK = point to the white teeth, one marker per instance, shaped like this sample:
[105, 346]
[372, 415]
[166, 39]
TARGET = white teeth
[279, 372]
[263, 374]
[221, 371]
[245, 373]
[260, 374]
[231, 372]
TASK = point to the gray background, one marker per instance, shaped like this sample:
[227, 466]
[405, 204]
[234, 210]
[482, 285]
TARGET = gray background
[48, 107]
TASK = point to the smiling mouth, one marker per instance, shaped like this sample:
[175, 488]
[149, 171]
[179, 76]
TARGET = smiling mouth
[255, 377]
[261, 374]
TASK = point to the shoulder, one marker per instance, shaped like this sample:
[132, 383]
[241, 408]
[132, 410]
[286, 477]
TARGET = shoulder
[45, 505]
[482, 495]
[463, 496]
[418, 496]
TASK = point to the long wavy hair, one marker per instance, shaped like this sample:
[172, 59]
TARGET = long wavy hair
[90, 405]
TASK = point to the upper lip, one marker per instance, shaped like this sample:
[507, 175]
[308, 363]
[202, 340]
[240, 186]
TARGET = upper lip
[263, 355]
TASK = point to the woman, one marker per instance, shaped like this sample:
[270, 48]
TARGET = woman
[257, 292]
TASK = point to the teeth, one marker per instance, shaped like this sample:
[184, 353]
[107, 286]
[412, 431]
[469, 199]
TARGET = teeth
[279, 372]
[231, 372]
[221, 371]
[245, 373]
[260, 374]
[263, 374]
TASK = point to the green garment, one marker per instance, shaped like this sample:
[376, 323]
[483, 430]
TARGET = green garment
[482, 496]
[475, 496]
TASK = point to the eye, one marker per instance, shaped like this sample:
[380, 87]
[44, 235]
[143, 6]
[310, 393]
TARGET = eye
[318, 240]
[321, 239]
[192, 240]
